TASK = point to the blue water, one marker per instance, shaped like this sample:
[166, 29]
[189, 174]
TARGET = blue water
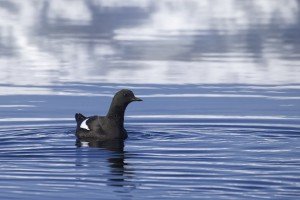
[220, 83]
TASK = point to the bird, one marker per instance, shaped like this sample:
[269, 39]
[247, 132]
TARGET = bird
[109, 127]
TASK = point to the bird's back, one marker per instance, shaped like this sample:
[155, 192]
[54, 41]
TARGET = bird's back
[98, 128]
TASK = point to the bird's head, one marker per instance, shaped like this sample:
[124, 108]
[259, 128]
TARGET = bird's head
[124, 97]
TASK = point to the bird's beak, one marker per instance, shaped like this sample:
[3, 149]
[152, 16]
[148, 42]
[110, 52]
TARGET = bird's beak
[136, 99]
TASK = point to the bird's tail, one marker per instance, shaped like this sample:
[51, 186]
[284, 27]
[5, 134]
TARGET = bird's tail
[79, 118]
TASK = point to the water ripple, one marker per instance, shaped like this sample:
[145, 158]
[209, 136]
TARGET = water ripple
[242, 161]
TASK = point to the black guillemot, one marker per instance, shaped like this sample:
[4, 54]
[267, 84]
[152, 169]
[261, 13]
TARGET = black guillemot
[107, 127]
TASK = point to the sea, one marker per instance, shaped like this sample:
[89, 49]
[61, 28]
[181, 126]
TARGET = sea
[220, 83]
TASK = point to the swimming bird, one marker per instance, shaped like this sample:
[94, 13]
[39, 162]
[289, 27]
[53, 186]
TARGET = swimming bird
[109, 127]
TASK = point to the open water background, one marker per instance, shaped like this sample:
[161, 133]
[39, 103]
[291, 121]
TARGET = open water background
[221, 89]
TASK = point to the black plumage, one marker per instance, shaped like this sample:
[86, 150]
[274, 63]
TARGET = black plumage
[107, 127]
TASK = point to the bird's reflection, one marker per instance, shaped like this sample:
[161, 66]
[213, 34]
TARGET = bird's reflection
[111, 145]
[115, 159]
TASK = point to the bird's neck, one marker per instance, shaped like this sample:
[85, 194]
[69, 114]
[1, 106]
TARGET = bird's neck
[117, 112]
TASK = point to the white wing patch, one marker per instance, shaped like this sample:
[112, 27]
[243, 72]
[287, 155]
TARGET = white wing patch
[83, 125]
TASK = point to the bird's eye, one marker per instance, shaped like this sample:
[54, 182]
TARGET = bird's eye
[125, 94]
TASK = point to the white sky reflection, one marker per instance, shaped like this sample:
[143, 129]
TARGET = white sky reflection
[162, 42]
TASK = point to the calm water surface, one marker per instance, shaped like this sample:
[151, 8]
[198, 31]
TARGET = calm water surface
[220, 82]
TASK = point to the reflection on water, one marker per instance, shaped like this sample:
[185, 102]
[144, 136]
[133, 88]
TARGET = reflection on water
[231, 41]
[114, 145]
[115, 160]
[220, 80]
[160, 161]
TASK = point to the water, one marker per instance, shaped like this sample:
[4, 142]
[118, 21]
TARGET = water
[220, 83]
